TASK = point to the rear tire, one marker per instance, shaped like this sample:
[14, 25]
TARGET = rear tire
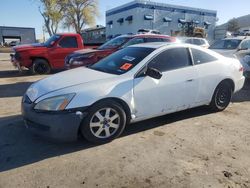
[40, 66]
[105, 121]
[222, 97]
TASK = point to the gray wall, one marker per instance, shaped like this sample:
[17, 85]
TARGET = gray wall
[158, 24]
[27, 35]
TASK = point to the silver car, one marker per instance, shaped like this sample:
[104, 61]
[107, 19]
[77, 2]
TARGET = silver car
[237, 47]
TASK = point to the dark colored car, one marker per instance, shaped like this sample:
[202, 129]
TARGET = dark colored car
[90, 56]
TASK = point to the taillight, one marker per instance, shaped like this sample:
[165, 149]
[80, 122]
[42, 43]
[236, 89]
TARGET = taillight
[241, 69]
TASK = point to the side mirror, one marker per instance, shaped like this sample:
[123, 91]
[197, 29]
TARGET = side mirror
[153, 73]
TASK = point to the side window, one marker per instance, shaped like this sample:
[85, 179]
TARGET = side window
[189, 41]
[245, 44]
[202, 42]
[68, 42]
[197, 41]
[171, 59]
[201, 57]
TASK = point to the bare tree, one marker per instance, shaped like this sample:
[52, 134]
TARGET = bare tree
[78, 13]
[233, 25]
[52, 13]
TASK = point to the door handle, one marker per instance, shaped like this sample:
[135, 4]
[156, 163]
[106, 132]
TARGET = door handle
[190, 80]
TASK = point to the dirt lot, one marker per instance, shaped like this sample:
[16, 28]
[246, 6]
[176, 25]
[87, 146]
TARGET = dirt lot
[193, 148]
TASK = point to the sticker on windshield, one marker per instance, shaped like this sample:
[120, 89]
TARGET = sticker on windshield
[126, 66]
[128, 58]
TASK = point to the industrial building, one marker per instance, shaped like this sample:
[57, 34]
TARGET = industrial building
[21, 35]
[95, 35]
[166, 18]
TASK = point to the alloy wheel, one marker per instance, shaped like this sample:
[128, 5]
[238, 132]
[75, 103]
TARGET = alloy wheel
[104, 123]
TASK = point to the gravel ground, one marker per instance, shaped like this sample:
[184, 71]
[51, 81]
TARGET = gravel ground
[194, 148]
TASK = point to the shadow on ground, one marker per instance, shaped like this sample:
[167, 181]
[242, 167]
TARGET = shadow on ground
[14, 90]
[19, 147]
[244, 94]
[14, 73]
[25, 73]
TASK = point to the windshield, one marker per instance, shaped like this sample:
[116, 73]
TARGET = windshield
[134, 41]
[114, 43]
[228, 44]
[122, 61]
[51, 40]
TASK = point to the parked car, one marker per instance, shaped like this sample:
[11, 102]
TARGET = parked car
[230, 47]
[196, 41]
[237, 47]
[245, 61]
[13, 43]
[90, 56]
[42, 58]
[133, 84]
[148, 31]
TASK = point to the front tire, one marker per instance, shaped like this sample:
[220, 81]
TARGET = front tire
[222, 97]
[40, 66]
[105, 121]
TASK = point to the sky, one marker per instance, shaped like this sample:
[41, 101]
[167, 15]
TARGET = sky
[24, 13]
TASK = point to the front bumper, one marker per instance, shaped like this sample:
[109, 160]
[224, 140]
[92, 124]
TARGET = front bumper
[58, 126]
[15, 62]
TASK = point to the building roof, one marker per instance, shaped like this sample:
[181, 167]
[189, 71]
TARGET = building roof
[160, 6]
[11, 27]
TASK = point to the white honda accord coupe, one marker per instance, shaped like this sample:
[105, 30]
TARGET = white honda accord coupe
[136, 83]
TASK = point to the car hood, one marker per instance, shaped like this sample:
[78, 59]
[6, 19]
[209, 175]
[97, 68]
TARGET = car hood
[226, 53]
[86, 51]
[28, 47]
[65, 79]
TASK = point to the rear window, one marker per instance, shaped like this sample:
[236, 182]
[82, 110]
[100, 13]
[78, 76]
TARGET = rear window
[197, 41]
[68, 42]
[228, 44]
[114, 43]
[201, 57]
[122, 61]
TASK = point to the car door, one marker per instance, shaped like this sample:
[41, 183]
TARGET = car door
[208, 72]
[176, 90]
[244, 49]
[64, 47]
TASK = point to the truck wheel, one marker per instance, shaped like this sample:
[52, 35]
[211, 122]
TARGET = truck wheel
[105, 121]
[40, 66]
[222, 97]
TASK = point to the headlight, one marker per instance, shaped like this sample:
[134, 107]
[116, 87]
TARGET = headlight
[78, 60]
[57, 103]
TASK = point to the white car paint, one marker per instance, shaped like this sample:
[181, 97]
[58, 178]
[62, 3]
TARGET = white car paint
[146, 97]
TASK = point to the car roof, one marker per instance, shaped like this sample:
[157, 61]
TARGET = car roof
[157, 45]
[237, 38]
[149, 35]
[191, 38]
[145, 35]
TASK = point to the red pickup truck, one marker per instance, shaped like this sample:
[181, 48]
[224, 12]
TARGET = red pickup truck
[42, 58]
